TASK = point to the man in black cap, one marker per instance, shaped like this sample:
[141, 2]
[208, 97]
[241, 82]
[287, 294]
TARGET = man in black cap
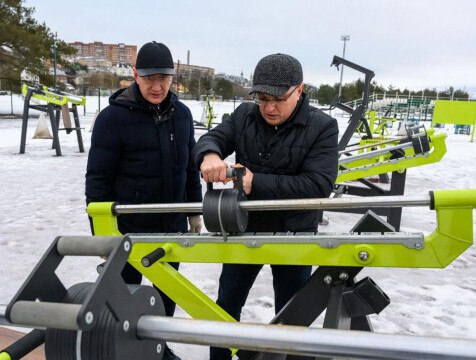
[141, 153]
[289, 149]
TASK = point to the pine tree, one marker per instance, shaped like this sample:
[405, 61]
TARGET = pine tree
[26, 44]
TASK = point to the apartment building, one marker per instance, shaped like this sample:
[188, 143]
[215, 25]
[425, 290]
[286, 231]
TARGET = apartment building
[100, 53]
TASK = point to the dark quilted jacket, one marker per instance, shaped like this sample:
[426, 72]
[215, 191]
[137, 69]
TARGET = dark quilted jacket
[298, 161]
[141, 154]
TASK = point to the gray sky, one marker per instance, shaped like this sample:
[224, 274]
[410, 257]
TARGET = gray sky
[408, 43]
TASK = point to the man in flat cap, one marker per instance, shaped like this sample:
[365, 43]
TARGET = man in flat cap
[141, 153]
[289, 149]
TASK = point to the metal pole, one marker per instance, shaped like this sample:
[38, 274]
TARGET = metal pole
[297, 204]
[344, 38]
[371, 154]
[395, 139]
[298, 340]
[54, 59]
[11, 97]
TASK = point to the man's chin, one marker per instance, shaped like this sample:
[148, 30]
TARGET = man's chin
[272, 120]
[155, 99]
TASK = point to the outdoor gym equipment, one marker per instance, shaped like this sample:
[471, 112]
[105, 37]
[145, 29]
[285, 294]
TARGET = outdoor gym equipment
[395, 155]
[56, 103]
[111, 320]
[208, 115]
[455, 112]
[357, 118]
[379, 124]
[380, 156]
[374, 157]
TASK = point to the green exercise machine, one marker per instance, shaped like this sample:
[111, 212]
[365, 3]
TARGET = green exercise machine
[57, 103]
[108, 319]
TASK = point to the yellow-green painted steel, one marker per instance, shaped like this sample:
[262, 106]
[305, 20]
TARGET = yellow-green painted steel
[191, 299]
[45, 97]
[104, 222]
[382, 164]
[378, 124]
[54, 98]
[5, 356]
[71, 98]
[453, 235]
[455, 112]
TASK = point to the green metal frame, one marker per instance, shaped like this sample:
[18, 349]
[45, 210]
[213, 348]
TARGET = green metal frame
[382, 164]
[378, 124]
[452, 236]
[455, 112]
[210, 112]
[55, 98]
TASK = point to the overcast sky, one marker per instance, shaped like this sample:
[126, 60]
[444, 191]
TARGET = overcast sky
[408, 43]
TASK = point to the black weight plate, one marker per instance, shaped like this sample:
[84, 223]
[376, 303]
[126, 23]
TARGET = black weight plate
[107, 340]
[221, 209]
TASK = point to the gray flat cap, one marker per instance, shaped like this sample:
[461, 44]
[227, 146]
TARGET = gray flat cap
[275, 74]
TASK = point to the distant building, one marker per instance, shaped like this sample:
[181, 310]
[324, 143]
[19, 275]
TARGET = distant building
[123, 70]
[28, 77]
[93, 63]
[98, 52]
[61, 76]
[193, 71]
[120, 58]
[240, 80]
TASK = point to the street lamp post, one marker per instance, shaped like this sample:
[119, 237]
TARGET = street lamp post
[54, 59]
[344, 38]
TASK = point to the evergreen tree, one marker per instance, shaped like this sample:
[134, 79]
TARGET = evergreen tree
[26, 44]
[224, 88]
[326, 94]
[311, 91]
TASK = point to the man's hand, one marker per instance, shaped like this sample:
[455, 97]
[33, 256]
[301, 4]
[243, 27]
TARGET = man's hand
[195, 224]
[213, 168]
[247, 179]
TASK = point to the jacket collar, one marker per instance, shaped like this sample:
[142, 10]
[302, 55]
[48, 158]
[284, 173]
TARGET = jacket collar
[132, 98]
[300, 113]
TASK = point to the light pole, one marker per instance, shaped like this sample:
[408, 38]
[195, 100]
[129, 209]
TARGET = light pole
[54, 58]
[344, 38]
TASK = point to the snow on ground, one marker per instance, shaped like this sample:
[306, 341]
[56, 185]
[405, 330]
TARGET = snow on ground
[42, 196]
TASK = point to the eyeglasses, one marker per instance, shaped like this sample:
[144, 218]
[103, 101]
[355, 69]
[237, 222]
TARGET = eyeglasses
[162, 78]
[273, 101]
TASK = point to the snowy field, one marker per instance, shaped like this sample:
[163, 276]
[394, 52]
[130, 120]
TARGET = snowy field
[42, 196]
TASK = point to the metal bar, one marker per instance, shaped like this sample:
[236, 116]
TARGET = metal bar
[299, 340]
[288, 204]
[3, 319]
[87, 245]
[373, 153]
[303, 341]
[400, 138]
[255, 240]
[46, 314]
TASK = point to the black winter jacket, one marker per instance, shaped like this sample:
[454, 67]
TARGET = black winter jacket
[298, 161]
[141, 153]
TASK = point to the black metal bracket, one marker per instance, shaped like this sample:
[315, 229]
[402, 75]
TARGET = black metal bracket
[357, 116]
[357, 120]
[348, 303]
[53, 112]
[109, 294]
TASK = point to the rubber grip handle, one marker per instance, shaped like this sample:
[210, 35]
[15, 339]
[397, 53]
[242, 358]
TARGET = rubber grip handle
[25, 344]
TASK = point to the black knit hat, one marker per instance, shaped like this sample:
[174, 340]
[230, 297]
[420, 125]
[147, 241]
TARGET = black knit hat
[275, 74]
[154, 58]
